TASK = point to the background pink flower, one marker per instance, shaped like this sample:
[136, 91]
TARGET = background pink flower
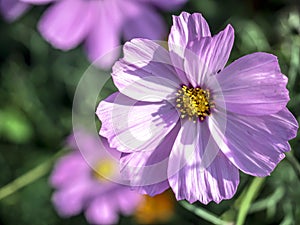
[80, 188]
[102, 24]
[12, 9]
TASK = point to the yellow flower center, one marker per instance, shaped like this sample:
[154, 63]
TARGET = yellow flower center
[104, 170]
[193, 103]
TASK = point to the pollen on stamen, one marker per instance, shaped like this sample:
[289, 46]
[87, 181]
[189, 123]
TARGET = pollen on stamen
[193, 103]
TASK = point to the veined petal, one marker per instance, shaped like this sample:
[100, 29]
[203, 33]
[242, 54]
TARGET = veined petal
[145, 73]
[254, 144]
[147, 171]
[104, 37]
[198, 170]
[252, 85]
[66, 23]
[186, 28]
[207, 56]
[282, 124]
[130, 125]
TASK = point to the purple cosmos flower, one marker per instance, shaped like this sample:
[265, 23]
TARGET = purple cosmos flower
[12, 9]
[102, 24]
[79, 187]
[183, 119]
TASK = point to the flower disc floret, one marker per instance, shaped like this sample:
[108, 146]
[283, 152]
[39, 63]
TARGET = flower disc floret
[193, 103]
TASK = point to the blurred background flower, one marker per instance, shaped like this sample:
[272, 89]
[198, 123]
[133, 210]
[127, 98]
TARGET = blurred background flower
[12, 9]
[157, 209]
[81, 180]
[101, 25]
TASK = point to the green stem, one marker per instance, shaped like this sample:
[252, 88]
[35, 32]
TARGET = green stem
[249, 196]
[208, 216]
[294, 163]
[267, 202]
[29, 177]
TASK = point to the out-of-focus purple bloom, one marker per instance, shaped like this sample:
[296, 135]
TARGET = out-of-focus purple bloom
[79, 187]
[183, 119]
[12, 9]
[102, 24]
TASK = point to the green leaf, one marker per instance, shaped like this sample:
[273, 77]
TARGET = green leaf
[14, 126]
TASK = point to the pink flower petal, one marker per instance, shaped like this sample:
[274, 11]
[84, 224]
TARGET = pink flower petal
[132, 126]
[12, 9]
[252, 85]
[66, 23]
[206, 56]
[186, 28]
[198, 170]
[147, 170]
[166, 5]
[102, 210]
[254, 144]
[70, 201]
[145, 73]
[127, 200]
[69, 170]
[38, 2]
[92, 148]
[142, 21]
[104, 35]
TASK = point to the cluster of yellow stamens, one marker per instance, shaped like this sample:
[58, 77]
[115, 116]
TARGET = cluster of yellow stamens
[193, 103]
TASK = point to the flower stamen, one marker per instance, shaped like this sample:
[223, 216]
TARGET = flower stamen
[193, 103]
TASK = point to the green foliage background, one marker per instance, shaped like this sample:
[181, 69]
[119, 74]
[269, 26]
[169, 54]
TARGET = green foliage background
[37, 84]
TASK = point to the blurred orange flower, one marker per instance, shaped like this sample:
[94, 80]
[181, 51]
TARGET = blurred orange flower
[157, 209]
